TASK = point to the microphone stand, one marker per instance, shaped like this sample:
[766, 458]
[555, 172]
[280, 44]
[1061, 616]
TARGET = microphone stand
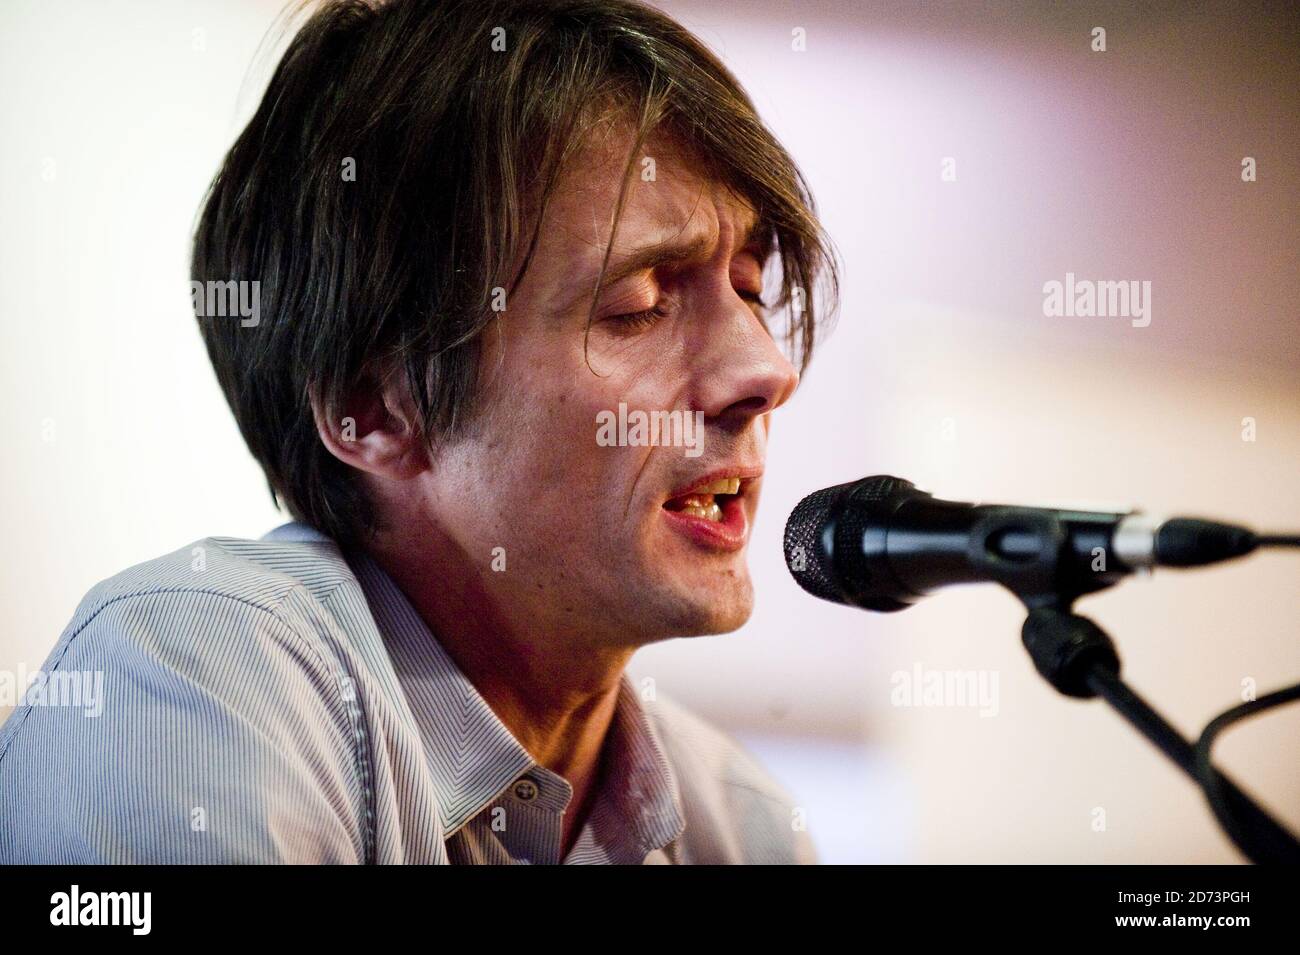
[1078, 658]
[879, 544]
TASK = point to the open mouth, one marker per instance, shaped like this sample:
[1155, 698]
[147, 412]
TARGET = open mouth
[708, 502]
[712, 514]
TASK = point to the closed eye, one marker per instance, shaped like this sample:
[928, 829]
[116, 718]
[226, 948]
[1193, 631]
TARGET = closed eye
[637, 321]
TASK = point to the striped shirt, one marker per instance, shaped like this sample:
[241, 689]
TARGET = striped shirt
[281, 701]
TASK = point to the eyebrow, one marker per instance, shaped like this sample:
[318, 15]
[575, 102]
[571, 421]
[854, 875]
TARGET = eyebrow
[758, 240]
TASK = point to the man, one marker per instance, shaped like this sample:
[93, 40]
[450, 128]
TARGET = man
[482, 233]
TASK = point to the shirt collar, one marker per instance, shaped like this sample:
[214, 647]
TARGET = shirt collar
[473, 756]
[639, 808]
[295, 531]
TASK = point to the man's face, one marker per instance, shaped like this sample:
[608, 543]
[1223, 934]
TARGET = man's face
[603, 540]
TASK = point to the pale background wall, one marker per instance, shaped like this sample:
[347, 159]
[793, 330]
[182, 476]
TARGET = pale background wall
[1116, 165]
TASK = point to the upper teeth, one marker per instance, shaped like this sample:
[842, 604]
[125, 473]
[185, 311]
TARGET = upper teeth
[720, 486]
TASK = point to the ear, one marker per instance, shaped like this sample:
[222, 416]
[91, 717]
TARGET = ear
[376, 431]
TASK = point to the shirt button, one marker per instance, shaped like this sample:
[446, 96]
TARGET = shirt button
[526, 789]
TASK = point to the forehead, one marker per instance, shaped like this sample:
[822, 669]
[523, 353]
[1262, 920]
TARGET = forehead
[669, 197]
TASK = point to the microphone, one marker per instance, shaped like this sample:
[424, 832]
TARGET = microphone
[881, 544]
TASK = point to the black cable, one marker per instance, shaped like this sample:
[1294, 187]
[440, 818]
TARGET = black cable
[1224, 802]
[1277, 540]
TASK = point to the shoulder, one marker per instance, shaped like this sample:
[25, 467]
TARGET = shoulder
[201, 679]
[735, 810]
[216, 614]
[264, 576]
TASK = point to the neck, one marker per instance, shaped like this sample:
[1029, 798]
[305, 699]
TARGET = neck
[555, 691]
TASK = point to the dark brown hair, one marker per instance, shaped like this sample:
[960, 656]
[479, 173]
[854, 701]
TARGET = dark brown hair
[457, 145]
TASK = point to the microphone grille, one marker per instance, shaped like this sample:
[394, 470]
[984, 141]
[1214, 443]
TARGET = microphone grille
[805, 553]
[813, 518]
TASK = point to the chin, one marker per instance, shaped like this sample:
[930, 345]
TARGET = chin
[722, 611]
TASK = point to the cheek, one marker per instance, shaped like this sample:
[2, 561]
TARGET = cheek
[652, 373]
[547, 444]
[554, 455]
[542, 433]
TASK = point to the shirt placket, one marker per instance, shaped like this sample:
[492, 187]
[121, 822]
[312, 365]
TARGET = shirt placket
[532, 820]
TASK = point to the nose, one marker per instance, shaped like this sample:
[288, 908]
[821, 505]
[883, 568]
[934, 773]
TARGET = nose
[741, 372]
